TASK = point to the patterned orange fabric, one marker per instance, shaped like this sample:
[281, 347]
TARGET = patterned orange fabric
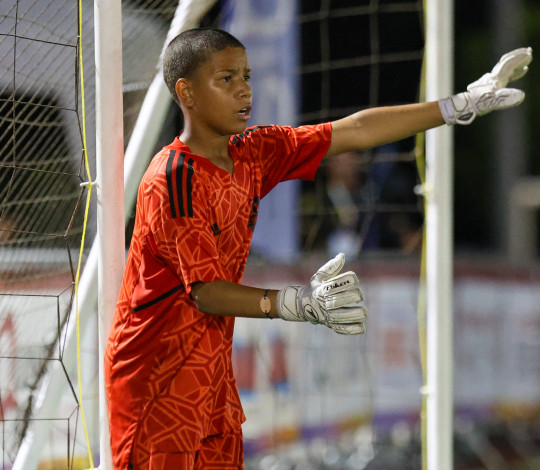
[168, 371]
[221, 452]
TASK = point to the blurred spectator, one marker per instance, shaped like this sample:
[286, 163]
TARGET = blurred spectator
[344, 191]
[367, 202]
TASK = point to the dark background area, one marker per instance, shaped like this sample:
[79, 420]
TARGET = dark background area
[477, 185]
[477, 181]
[353, 59]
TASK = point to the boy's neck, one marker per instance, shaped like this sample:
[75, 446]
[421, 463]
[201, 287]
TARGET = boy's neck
[214, 148]
[205, 145]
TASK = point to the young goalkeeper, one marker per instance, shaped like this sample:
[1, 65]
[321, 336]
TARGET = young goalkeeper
[173, 402]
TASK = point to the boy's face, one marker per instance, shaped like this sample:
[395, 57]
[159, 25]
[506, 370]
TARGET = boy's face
[219, 94]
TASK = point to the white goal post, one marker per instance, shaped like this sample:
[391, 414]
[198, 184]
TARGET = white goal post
[110, 190]
[439, 244]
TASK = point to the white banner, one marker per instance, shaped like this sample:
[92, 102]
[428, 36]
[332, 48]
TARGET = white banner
[327, 381]
[269, 30]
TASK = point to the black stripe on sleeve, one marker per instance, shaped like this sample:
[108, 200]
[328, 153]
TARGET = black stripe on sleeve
[158, 299]
[179, 189]
[189, 188]
[170, 182]
[240, 137]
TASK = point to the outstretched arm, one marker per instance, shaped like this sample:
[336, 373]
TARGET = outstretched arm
[378, 126]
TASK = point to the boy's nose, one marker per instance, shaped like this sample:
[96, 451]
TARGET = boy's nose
[245, 90]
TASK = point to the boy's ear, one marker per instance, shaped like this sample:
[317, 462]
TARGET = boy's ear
[183, 91]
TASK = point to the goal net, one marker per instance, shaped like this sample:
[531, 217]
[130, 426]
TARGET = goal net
[41, 169]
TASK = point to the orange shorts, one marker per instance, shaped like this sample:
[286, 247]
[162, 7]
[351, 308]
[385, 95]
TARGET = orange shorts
[220, 452]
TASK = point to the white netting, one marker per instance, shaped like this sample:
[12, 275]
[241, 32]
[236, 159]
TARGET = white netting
[40, 224]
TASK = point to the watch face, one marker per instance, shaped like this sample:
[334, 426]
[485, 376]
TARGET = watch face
[266, 305]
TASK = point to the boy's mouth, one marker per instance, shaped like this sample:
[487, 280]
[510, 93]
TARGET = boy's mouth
[244, 113]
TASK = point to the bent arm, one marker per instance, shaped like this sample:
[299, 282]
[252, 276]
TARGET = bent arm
[378, 126]
[330, 299]
[229, 299]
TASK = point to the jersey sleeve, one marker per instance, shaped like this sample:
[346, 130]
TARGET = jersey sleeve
[292, 153]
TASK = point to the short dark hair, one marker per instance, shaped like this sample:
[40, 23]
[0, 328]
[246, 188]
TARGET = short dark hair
[191, 49]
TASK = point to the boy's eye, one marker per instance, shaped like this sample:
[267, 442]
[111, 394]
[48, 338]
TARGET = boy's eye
[227, 78]
[247, 78]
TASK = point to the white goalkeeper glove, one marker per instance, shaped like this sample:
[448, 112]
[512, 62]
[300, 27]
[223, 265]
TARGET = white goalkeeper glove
[489, 93]
[330, 299]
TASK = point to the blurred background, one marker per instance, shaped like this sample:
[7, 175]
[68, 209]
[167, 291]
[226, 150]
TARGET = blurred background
[313, 399]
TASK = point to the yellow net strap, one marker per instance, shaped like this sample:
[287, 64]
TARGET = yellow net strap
[89, 186]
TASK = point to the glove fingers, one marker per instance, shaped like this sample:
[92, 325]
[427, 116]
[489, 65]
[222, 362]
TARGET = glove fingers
[339, 291]
[353, 329]
[329, 270]
[343, 299]
[518, 74]
[347, 315]
[501, 99]
[337, 284]
[508, 98]
[513, 59]
[512, 65]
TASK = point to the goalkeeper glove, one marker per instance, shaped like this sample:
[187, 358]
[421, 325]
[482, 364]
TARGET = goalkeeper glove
[489, 93]
[330, 299]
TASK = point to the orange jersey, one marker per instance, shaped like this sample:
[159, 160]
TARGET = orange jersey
[168, 366]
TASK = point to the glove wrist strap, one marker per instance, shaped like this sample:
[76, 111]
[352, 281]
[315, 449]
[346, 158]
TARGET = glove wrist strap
[458, 109]
[287, 304]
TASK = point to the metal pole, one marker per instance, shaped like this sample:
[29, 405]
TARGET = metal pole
[439, 244]
[110, 186]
